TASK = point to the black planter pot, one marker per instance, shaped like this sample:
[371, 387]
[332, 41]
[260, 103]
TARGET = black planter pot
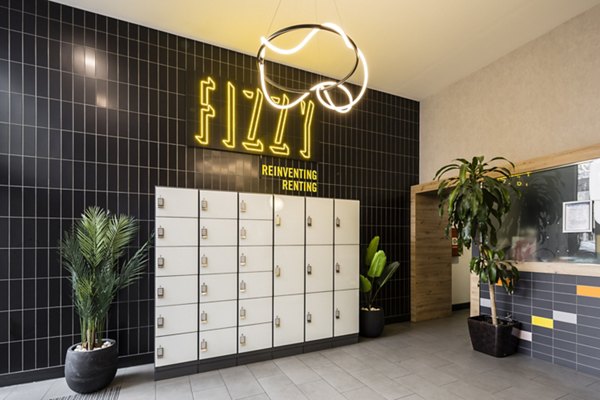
[497, 341]
[90, 371]
[371, 323]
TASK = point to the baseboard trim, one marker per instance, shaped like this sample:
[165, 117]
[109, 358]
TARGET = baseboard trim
[461, 306]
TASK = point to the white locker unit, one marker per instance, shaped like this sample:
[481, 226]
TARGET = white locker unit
[255, 278]
[242, 272]
[176, 282]
[218, 254]
[346, 267]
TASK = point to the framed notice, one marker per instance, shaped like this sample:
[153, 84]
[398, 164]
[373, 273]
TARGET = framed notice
[577, 216]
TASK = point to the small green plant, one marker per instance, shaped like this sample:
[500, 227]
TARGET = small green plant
[92, 252]
[476, 201]
[378, 272]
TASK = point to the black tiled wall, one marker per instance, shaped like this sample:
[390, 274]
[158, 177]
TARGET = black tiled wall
[92, 111]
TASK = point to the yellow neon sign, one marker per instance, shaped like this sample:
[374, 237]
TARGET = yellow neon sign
[281, 133]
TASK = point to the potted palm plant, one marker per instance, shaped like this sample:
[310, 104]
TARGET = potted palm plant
[93, 253]
[378, 272]
[476, 200]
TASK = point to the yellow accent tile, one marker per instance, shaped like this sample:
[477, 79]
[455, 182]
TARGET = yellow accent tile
[588, 291]
[543, 322]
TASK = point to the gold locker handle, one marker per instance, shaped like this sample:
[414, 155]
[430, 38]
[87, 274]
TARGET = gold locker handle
[204, 205]
[337, 313]
[160, 291]
[203, 345]
[277, 220]
[204, 317]
[242, 313]
[160, 261]
[309, 318]
[160, 232]
[243, 233]
[204, 233]
[338, 222]
[309, 269]
[160, 202]
[203, 289]
[309, 221]
[160, 321]
[277, 322]
[242, 286]
[337, 268]
[277, 271]
[242, 339]
[243, 206]
[243, 260]
[204, 261]
[160, 352]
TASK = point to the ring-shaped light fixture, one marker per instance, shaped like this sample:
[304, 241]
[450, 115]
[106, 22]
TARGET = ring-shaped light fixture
[321, 89]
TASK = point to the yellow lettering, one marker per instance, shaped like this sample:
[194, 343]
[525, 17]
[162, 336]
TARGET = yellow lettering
[279, 147]
[284, 185]
[253, 143]
[265, 169]
[230, 141]
[308, 112]
[206, 110]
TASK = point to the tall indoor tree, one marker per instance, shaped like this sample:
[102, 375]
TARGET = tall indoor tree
[476, 199]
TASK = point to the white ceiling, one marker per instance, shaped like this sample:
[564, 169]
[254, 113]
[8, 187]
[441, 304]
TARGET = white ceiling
[414, 48]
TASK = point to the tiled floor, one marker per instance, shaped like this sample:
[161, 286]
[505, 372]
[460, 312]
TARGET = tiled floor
[428, 360]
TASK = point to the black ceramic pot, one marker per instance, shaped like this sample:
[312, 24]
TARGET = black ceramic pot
[90, 371]
[497, 341]
[371, 323]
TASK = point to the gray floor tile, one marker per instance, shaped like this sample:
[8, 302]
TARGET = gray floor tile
[320, 390]
[218, 393]
[363, 393]
[240, 382]
[206, 380]
[264, 369]
[296, 370]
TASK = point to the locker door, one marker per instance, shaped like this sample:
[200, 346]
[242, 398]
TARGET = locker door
[288, 320]
[217, 260]
[256, 258]
[216, 204]
[319, 268]
[319, 221]
[346, 267]
[256, 206]
[218, 315]
[176, 261]
[176, 231]
[255, 311]
[255, 337]
[220, 342]
[218, 287]
[347, 221]
[176, 349]
[255, 284]
[256, 233]
[176, 202]
[288, 272]
[289, 220]
[319, 316]
[172, 320]
[346, 305]
[172, 290]
[218, 232]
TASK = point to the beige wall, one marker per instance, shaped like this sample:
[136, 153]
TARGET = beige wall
[542, 98]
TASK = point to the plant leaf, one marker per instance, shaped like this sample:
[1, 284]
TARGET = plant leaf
[377, 264]
[371, 250]
[365, 284]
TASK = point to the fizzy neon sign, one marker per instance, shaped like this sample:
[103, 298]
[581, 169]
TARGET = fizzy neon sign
[223, 117]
